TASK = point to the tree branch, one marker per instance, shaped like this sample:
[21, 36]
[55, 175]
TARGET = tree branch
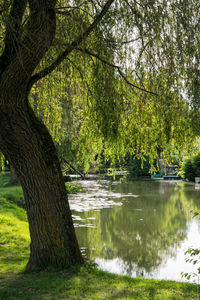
[80, 72]
[74, 169]
[71, 46]
[62, 10]
[14, 20]
[12, 36]
[121, 42]
[118, 69]
[4, 7]
[35, 42]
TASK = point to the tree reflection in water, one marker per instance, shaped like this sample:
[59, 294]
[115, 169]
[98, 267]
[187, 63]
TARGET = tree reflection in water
[142, 233]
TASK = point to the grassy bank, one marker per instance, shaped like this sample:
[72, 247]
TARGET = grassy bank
[82, 283]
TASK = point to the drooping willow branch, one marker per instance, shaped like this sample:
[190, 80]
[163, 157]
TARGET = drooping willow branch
[80, 73]
[118, 69]
[71, 46]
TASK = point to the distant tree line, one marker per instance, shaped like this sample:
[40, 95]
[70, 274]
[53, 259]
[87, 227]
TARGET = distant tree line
[191, 167]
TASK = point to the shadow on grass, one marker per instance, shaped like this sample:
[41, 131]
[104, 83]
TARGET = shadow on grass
[84, 284]
[37, 285]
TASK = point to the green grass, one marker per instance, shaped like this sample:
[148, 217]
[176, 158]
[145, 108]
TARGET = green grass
[13, 194]
[14, 237]
[83, 284]
[79, 283]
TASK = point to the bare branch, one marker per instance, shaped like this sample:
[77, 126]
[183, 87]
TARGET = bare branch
[118, 69]
[71, 46]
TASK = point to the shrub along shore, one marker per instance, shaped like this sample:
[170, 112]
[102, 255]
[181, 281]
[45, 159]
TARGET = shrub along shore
[78, 283]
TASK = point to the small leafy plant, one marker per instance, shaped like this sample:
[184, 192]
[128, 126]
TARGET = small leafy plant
[72, 188]
[193, 256]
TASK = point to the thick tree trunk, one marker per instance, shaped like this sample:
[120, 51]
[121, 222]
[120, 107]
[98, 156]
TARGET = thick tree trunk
[13, 176]
[26, 142]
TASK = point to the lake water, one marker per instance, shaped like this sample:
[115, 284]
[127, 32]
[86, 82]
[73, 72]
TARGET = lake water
[138, 228]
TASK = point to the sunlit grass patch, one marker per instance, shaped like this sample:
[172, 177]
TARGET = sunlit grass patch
[4, 179]
[14, 237]
[13, 194]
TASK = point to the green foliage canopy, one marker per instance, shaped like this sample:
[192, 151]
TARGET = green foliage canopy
[133, 82]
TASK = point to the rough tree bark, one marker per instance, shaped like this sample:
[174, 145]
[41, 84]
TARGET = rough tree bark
[27, 144]
[29, 148]
[13, 176]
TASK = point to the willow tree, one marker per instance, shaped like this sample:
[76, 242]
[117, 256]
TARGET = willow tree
[137, 42]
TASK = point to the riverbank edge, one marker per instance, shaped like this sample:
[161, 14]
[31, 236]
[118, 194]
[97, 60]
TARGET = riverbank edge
[78, 283]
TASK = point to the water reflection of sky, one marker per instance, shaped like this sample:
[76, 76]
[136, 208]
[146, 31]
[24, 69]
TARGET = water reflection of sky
[138, 228]
[169, 270]
[95, 196]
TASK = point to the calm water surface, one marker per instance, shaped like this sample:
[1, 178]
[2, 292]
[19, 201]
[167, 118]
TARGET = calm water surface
[138, 228]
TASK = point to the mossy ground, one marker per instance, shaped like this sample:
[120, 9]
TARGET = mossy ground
[78, 283]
